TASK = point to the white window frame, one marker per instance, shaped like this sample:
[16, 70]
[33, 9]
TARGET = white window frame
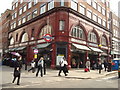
[23, 19]
[24, 8]
[20, 11]
[51, 4]
[62, 2]
[95, 17]
[29, 5]
[82, 9]
[74, 5]
[28, 16]
[42, 8]
[34, 13]
[89, 14]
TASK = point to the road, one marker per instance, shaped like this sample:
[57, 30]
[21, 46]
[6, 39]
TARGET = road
[28, 80]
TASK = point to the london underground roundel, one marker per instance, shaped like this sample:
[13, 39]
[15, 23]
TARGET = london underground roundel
[47, 37]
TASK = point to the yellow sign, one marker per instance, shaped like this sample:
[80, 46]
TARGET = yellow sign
[35, 56]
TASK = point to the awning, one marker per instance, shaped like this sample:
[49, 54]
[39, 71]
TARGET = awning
[42, 45]
[81, 47]
[95, 49]
[20, 48]
[12, 49]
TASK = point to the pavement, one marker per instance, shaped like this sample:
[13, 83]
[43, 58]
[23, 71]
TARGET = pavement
[29, 79]
[79, 73]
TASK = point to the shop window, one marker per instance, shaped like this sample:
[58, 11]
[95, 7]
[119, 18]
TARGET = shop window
[51, 5]
[78, 32]
[42, 8]
[61, 25]
[45, 30]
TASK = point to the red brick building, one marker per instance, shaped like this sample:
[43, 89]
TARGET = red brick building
[80, 30]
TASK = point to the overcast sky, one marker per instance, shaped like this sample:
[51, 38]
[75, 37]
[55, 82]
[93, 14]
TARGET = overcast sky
[6, 4]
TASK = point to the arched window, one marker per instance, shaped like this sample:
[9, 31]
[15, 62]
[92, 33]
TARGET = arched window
[45, 30]
[104, 41]
[78, 32]
[92, 37]
[11, 41]
[24, 37]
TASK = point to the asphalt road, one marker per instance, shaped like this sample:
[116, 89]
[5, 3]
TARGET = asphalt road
[28, 80]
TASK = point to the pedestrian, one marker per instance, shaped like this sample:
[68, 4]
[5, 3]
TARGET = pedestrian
[88, 65]
[44, 66]
[40, 66]
[63, 66]
[32, 66]
[105, 65]
[17, 70]
[100, 66]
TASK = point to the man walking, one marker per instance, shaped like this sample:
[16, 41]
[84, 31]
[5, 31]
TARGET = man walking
[40, 66]
[63, 64]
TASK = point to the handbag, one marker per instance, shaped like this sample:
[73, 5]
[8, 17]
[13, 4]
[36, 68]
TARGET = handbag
[16, 73]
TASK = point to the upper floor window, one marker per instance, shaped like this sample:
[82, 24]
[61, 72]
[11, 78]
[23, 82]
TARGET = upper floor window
[42, 8]
[35, 2]
[29, 4]
[21, 1]
[92, 37]
[89, 14]
[94, 4]
[89, 2]
[23, 19]
[28, 16]
[20, 11]
[99, 20]
[103, 11]
[61, 2]
[78, 32]
[61, 25]
[51, 5]
[34, 13]
[19, 22]
[13, 7]
[104, 23]
[82, 9]
[99, 8]
[103, 1]
[24, 8]
[95, 17]
[74, 4]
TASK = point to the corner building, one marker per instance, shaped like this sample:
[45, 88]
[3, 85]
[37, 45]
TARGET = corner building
[80, 30]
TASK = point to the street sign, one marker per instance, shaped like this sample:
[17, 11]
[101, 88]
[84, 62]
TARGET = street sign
[35, 50]
[48, 37]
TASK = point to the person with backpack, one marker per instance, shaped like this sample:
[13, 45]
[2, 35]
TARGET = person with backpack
[32, 66]
[40, 66]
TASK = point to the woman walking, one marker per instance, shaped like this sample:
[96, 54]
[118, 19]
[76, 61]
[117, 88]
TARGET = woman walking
[17, 70]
